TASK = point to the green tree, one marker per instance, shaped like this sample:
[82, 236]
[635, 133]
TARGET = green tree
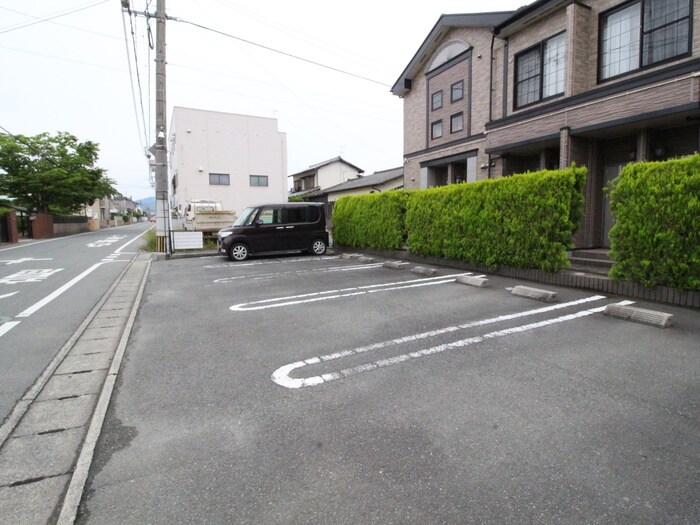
[51, 173]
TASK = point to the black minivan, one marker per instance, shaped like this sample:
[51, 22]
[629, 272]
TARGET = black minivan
[276, 228]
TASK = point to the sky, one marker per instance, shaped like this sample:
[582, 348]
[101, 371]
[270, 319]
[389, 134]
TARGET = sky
[86, 67]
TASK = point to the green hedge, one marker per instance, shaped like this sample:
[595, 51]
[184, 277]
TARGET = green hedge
[656, 236]
[371, 221]
[523, 221]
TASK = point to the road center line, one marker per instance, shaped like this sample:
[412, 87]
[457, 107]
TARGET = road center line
[344, 292]
[281, 375]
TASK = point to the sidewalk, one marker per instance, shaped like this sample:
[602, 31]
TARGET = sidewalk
[47, 442]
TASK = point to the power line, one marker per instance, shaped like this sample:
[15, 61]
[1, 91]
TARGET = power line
[131, 83]
[138, 76]
[296, 57]
[52, 17]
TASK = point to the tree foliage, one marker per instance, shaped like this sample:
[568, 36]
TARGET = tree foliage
[52, 173]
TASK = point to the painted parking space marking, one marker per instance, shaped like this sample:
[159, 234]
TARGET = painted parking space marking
[282, 378]
[272, 261]
[30, 276]
[294, 300]
[298, 272]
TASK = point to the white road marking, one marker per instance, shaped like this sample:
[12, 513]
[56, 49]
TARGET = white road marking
[105, 242]
[119, 250]
[281, 375]
[298, 272]
[6, 327]
[8, 295]
[272, 261]
[30, 276]
[345, 292]
[46, 300]
[21, 260]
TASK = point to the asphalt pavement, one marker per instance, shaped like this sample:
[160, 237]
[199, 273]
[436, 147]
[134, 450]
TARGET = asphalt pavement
[290, 390]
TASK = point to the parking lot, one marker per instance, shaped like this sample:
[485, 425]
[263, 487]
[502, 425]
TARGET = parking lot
[333, 390]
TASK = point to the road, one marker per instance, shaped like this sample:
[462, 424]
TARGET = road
[306, 390]
[47, 288]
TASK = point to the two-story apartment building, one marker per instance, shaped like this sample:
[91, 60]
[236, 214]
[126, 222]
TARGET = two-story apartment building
[240, 160]
[323, 175]
[445, 91]
[597, 82]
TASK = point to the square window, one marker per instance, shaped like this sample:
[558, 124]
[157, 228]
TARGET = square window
[436, 130]
[540, 72]
[457, 123]
[219, 179]
[258, 180]
[642, 34]
[436, 100]
[457, 91]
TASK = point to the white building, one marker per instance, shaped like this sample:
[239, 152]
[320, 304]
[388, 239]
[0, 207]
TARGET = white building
[323, 175]
[239, 160]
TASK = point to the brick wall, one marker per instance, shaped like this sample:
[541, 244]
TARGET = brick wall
[42, 226]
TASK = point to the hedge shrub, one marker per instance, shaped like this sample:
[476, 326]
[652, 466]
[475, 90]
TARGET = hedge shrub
[656, 236]
[523, 221]
[376, 220]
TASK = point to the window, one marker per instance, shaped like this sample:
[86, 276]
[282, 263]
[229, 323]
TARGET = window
[457, 91]
[258, 180]
[436, 100]
[540, 72]
[643, 33]
[219, 179]
[457, 123]
[436, 130]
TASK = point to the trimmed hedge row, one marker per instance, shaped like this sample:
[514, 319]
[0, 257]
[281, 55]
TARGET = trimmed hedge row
[656, 236]
[524, 221]
[376, 220]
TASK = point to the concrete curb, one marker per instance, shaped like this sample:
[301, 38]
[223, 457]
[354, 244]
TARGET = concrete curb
[49, 440]
[565, 278]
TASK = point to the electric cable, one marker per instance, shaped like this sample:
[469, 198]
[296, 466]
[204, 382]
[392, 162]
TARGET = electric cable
[268, 48]
[131, 82]
[52, 17]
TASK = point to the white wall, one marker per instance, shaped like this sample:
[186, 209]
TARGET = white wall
[335, 173]
[204, 142]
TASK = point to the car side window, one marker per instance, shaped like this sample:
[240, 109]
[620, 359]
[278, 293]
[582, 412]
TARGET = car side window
[294, 215]
[269, 216]
[313, 213]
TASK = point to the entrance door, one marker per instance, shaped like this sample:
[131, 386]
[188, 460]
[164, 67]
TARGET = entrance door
[611, 172]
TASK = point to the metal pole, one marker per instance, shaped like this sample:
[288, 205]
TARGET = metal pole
[161, 148]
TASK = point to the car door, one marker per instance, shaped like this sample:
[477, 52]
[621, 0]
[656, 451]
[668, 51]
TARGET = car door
[267, 230]
[294, 220]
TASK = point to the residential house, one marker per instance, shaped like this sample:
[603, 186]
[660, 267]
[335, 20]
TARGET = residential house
[239, 160]
[445, 91]
[379, 181]
[323, 175]
[597, 82]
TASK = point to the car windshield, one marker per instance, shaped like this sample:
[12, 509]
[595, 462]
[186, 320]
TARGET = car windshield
[246, 217]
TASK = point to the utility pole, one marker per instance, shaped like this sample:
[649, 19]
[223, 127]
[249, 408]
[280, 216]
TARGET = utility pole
[161, 146]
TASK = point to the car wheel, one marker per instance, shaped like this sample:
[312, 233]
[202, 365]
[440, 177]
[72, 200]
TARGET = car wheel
[238, 252]
[318, 247]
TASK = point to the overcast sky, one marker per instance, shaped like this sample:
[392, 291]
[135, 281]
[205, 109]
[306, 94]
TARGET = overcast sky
[66, 67]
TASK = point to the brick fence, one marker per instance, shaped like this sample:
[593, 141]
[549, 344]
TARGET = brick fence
[566, 278]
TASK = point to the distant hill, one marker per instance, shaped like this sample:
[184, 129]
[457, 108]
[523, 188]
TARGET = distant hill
[148, 204]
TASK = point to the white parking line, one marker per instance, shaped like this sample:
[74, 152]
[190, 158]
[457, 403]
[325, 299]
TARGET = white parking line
[281, 375]
[272, 261]
[298, 272]
[345, 292]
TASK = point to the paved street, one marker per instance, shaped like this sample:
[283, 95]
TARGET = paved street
[47, 288]
[302, 390]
